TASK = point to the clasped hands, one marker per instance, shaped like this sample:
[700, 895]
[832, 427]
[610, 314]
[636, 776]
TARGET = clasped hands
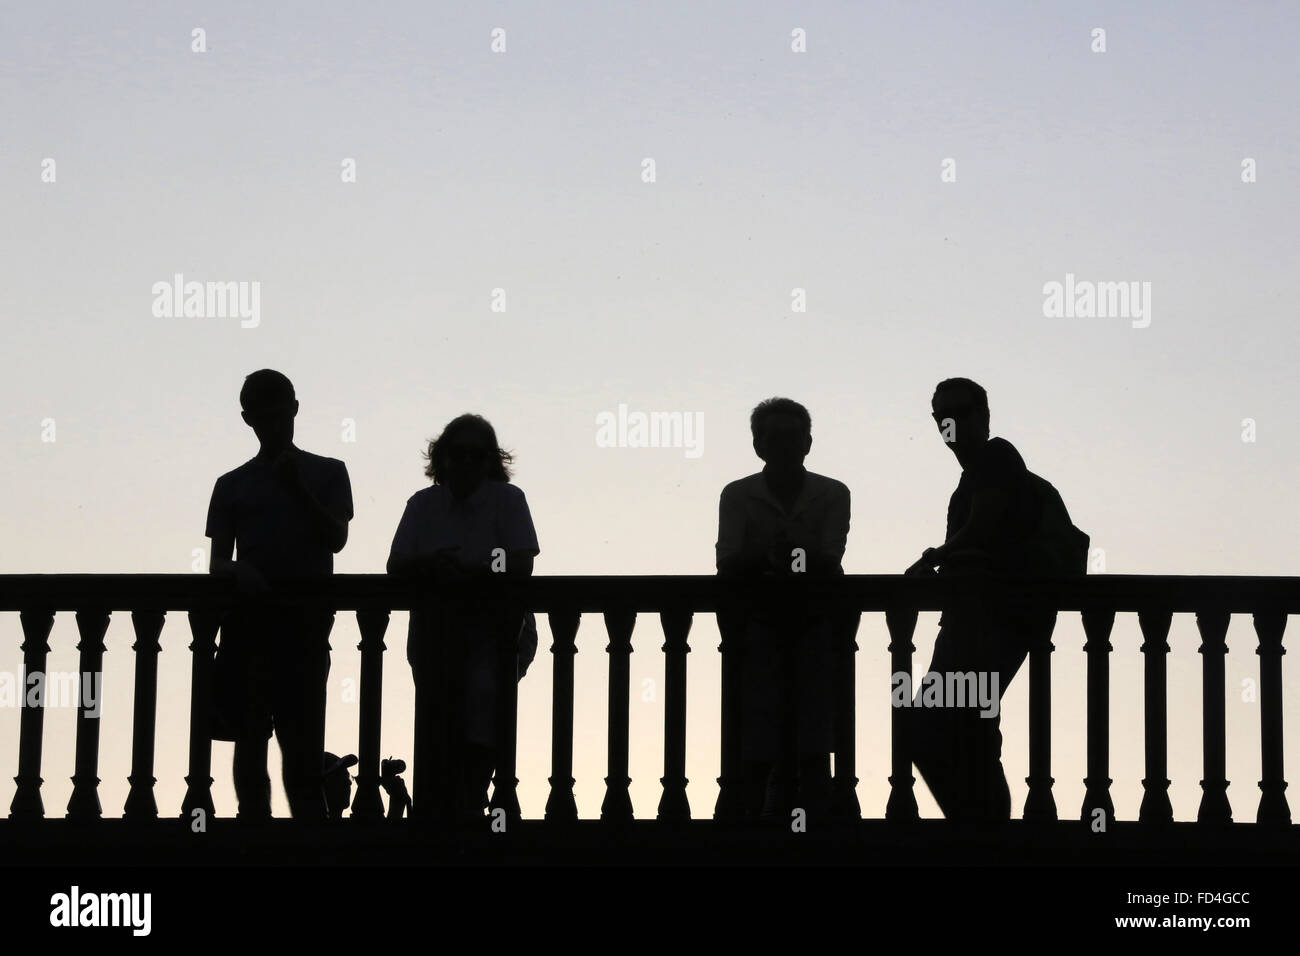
[970, 560]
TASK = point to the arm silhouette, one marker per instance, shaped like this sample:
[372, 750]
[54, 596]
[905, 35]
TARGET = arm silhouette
[334, 530]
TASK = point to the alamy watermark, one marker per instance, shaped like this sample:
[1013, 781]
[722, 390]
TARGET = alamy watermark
[1085, 299]
[208, 300]
[75, 908]
[948, 689]
[54, 689]
[626, 429]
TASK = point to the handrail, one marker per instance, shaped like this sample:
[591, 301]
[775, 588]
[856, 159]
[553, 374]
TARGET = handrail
[676, 598]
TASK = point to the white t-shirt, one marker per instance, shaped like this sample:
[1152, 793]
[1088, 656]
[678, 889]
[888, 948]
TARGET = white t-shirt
[495, 516]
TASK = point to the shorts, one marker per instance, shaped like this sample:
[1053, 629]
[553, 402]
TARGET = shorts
[271, 665]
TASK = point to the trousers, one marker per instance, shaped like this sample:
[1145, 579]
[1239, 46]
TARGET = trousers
[786, 687]
[958, 749]
[455, 663]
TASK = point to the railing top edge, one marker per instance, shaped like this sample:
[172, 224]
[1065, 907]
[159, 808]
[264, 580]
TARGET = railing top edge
[703, 592]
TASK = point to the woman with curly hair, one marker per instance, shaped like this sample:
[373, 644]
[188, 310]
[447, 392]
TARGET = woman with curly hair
[469, 523]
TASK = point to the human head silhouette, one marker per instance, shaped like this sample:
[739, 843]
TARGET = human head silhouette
[269, 407]
[960, 409]
[782, 433]
[465, 455]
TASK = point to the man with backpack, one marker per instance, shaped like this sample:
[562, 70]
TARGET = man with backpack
[1002, 519]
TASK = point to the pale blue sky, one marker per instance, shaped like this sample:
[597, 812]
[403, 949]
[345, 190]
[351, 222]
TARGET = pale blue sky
[775, 170]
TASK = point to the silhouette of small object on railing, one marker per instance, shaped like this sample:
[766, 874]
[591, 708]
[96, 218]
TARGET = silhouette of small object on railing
[784, 522]
[337, 783]
[390, 778]
[466, 533]
[287, 513]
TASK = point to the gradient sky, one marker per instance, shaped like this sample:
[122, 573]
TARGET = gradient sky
[776, 170]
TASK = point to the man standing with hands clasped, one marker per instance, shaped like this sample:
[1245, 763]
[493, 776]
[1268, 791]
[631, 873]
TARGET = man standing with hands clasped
[285, 511]
[783, 521]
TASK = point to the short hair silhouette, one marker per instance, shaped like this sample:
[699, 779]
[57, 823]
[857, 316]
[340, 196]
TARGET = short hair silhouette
[265, 388]
[777, 406]
[499, 458]
[977, 393]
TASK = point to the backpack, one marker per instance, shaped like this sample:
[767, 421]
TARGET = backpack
[1054, 546]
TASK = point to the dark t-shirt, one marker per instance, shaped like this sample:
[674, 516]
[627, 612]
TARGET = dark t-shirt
[1000, 466]
[273, 529]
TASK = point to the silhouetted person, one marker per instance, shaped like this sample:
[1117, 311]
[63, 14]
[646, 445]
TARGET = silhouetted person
[991, 515]
[448, 534]
[337, 783]
[786, 662]
[285, 513]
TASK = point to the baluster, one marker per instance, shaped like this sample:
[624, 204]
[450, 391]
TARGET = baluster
[140, 802]
[422, 656]
[1040, 804]
[373, 624]
[1213, 625]
[902, 800]
[730, 805]
[617, 805]
[560, 804]
[789, 637]
[426, 668]
[1155, 807]
[505, 785]
[92, 624]
[676, 623]
[27, 804]
[437, 686]
[1273, 809]
[1097, 626]
[845, 804]
[198, 789]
